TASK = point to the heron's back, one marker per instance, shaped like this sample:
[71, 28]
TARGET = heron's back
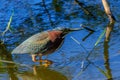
[34, 44]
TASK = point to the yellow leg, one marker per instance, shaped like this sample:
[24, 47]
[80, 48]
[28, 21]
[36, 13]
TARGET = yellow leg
[42, 61]
[34, 58]
[45, 61]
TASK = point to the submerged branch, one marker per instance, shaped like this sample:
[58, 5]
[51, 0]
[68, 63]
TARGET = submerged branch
[106, 61]
[17, 64]
[49, 16]
[84, 9]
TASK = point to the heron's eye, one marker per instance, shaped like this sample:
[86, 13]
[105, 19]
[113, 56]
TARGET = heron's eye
[65, 29]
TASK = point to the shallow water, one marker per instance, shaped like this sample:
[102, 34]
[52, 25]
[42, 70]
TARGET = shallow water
[69, 62]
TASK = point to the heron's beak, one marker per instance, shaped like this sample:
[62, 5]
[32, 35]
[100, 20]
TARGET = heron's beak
[81, 28]
[75, 29]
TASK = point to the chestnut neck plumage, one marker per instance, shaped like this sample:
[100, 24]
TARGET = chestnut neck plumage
[53, 35]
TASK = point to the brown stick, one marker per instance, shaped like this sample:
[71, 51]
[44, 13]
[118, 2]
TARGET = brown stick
[111, 18]
[107, 61]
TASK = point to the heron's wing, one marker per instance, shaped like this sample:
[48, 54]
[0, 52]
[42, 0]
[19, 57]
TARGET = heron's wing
[34, 44]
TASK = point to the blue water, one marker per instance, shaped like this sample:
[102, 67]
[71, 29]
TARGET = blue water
[69, 62]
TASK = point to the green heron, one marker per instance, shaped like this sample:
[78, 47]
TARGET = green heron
[44, 43]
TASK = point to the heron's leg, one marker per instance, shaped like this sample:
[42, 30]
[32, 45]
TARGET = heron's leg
[34, 58]
[46, 56]
[47, 61]
[40, 57]
[44, 60]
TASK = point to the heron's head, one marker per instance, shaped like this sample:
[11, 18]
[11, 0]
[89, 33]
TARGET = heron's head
[67, 30]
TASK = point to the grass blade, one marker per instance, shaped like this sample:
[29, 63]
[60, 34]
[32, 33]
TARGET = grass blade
[100, 37]
[8, 25]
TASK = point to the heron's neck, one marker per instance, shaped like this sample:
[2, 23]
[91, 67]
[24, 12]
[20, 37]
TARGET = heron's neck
[53, 35]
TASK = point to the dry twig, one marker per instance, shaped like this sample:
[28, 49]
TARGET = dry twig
[111, 18]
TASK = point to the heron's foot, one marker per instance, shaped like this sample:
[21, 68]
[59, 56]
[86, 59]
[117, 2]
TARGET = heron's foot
[45, 62]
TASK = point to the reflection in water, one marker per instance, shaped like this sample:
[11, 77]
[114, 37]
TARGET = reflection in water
[61, 13]
[41, 73]
[107, 73]
[106, 58]
[5, 55]
[47, 11]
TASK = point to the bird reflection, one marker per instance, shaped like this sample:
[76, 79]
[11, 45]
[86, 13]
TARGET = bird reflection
[41, 73]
